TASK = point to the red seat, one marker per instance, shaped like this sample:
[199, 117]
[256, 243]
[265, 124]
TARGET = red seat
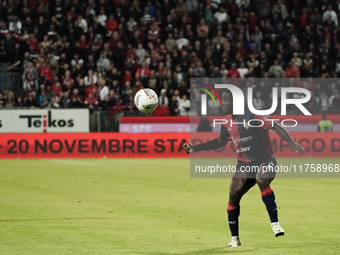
[161, 111]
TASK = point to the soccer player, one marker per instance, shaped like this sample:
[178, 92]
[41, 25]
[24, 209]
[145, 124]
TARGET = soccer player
[254, 148]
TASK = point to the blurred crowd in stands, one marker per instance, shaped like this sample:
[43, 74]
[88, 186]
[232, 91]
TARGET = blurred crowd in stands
[98, 53]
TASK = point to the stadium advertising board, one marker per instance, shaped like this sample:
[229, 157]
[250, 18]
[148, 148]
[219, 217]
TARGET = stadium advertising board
[124, 145]
[190, 124]
[44, 121]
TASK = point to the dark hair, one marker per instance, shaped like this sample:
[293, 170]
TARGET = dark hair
[228, 93]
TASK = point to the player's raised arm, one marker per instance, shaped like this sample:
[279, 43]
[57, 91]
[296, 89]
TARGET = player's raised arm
[218, 142]
[211, 145]
[283, 133]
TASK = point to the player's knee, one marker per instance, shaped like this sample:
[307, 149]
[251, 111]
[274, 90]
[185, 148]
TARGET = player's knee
[263, 183]
[235, 193]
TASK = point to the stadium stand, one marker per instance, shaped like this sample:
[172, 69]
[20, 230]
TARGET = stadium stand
[97, 54]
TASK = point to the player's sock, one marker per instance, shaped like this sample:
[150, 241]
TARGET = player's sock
[268, 199]
[233, 214]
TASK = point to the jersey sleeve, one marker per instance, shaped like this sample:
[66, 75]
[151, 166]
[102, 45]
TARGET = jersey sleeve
[268, 122]
[224, 135]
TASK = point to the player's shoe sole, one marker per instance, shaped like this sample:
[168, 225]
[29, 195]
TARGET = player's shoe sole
[277, 230]
[235, 241]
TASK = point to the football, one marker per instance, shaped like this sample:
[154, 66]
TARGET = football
[146, 100]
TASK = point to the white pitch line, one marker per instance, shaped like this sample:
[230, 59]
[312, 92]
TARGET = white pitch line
[71, 162]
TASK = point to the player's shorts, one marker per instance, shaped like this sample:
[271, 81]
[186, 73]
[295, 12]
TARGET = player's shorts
[252, 168]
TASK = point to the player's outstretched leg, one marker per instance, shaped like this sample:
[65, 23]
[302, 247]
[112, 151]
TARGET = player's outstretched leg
[263, 179]
[238, 187]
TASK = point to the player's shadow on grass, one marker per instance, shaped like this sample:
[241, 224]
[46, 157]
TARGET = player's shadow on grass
[217, 250]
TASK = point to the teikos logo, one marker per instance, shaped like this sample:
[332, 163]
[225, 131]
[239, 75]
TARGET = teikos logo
[238, 102]
[36, 121]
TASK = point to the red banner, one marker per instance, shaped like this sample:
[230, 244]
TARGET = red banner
[154, 145]
[316, 144]
[93, 145]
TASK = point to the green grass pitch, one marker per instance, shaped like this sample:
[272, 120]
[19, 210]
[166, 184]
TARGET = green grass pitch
[152, 206]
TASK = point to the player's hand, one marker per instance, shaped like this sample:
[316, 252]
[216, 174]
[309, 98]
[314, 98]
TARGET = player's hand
[296, 146]
[188, 148]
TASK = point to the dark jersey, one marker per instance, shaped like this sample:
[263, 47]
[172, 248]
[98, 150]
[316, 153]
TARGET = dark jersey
[251, 142]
